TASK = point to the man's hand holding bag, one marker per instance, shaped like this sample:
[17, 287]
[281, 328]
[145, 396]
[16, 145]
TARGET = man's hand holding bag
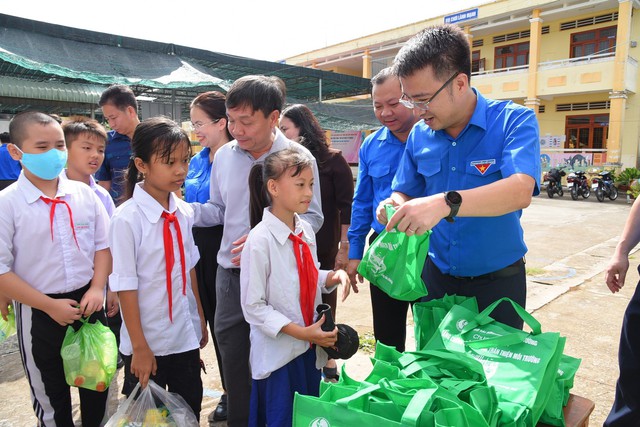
[394, 263]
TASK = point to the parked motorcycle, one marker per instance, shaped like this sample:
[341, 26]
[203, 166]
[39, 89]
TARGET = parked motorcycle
[603, 186]
[578, 185]
[553, 182]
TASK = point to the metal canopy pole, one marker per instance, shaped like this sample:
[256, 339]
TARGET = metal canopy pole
[320, 90]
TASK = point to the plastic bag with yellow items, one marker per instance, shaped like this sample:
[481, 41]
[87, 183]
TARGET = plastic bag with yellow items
[89, 356]
[153, 406]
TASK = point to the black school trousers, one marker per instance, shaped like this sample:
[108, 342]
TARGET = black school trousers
[40, 339]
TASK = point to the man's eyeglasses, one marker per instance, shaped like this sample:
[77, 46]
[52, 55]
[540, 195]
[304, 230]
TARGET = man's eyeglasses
[424, 105]
[198, 125]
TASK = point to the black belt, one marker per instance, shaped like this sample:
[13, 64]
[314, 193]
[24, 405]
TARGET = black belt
[508, 271]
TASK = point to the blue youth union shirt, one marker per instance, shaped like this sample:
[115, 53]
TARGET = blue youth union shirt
[196, 186]
[501, 139]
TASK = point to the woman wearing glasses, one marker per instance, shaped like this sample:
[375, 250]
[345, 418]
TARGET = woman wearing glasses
[209, 122]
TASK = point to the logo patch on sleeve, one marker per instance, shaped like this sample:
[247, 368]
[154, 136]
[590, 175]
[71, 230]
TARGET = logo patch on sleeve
[483, 165]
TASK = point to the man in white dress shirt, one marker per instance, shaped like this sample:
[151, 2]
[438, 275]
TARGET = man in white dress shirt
[253, 105]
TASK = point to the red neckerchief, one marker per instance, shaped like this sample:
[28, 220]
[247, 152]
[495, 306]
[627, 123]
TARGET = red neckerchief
[52, 212]
[168, 256]
[308, 275]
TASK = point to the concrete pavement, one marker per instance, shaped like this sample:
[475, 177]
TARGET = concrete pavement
[569, 243]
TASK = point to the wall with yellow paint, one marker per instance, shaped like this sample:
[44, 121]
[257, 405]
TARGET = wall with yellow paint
[342, 70]
[553, 123]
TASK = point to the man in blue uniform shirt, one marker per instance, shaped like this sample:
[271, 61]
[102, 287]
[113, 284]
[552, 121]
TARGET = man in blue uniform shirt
[120, 109]
[470, 167]
[379, 158]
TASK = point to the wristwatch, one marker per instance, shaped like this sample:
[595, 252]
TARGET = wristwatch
[453, 200]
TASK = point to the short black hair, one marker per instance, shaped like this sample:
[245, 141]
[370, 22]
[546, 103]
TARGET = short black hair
[382, 76]
[4, 137]
[444, 48]
[261, 93]
[120, 96]
[76, 126]
[18, 125]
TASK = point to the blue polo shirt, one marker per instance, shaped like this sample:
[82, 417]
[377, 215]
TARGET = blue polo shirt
[9, 168]
[116, 161]
[501, 139]
[379, 157]
[196, 186]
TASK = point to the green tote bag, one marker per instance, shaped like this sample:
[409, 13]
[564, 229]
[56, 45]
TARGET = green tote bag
[521, 366]
[394, 263]
[428, 315]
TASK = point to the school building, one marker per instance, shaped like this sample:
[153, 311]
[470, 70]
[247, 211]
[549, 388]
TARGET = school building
[574, 62]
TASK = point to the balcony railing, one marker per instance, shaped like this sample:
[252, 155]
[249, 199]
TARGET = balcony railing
[501, 70]
[567, 62]
[581, 60]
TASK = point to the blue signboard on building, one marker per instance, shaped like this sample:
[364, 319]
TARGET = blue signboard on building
[461, 16]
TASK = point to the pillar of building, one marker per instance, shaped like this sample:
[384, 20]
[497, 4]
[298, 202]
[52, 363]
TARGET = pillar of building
[618, 94]
[467, 32]
[366, 65]
[535, 23]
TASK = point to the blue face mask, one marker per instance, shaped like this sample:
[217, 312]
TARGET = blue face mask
[47, 165]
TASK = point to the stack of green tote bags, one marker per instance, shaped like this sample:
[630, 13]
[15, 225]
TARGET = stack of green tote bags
[469, 370]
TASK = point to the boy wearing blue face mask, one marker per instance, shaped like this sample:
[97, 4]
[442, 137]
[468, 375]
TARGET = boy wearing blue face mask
[54, 263]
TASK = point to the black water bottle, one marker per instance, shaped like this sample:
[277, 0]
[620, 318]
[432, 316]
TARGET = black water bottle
[328, 324]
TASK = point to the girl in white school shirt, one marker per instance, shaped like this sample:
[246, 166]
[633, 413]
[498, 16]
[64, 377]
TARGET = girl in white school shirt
[153, 260]
[280, 288]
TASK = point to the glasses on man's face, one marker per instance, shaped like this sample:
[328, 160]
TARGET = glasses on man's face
[424, 105]
[198, 125]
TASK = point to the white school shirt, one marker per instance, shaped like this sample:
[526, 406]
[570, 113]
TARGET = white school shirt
[270, 293]
[229, 193]
[137, 247]
[26, 248]
[101, 192]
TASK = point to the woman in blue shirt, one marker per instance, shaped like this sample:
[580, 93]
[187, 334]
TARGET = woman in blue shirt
[209, 122]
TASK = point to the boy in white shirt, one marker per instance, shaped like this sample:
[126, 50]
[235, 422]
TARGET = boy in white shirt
[86, 141]
[54, 262]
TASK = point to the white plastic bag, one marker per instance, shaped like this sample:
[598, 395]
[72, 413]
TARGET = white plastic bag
[153, 406]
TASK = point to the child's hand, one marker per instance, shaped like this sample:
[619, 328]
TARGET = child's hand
[113, 303]
[91, 301]
[64, 311]
[342, 277]
[143, 365]
[205, 333]
[5, 302]
[317, 336]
